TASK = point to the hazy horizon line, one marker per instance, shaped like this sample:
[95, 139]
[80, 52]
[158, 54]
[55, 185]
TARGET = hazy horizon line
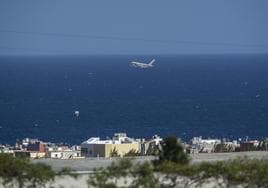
[149, 54]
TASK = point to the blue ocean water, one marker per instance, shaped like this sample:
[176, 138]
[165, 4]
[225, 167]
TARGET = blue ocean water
[187, 95]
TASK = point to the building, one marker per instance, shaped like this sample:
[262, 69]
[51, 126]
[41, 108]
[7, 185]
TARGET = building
[6, 149]
[32, 148]
[199, 145]
[63, 152]
[249, 145]
[37, 146]
[29, 154]
[118, 146]
[30, 144]
[152, 146]
[226, 147]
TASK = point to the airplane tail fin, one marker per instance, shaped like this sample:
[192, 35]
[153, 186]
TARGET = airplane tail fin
[151, 63]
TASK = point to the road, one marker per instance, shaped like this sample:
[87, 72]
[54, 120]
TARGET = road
[88, 164]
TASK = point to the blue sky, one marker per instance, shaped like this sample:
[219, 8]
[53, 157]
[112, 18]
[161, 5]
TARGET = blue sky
[35, 27]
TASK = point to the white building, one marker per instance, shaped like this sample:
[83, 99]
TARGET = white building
[199, 145]
[64, 154]
[95, 147]
[150, 147]
[5, 149]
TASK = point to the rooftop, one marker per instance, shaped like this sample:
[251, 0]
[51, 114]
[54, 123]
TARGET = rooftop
[119, 138]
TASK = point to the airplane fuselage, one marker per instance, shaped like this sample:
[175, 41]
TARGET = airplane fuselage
[142, 65]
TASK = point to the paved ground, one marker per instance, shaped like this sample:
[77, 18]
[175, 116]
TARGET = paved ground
[88, 164]
[84, 165]
[210, 157]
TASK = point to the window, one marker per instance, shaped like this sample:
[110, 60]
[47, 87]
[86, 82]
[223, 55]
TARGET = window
[84, 151]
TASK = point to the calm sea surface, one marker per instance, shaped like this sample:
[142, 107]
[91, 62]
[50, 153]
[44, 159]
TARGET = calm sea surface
[213, 96]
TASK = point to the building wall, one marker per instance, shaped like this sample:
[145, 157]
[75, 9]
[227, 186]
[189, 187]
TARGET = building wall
[98, 150]
[37, 154]
[64, 154]
[87, 150]
[122, 149]
[36, 147]
[247, 146]
[22, 154]
[30, 154]
[104, 150]
[55, 154]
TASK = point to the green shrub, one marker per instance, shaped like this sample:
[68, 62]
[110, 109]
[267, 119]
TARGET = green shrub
[132, 153]
[171, 150]
[234, 172]
[22, 171]
[114, 153]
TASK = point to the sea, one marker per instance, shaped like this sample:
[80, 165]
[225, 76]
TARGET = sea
[213, 96]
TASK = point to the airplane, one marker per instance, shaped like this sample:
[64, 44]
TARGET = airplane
[142, 65]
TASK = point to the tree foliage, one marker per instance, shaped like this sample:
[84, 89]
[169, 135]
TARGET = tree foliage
[132, 153]
[172, 150]
[100, 179]
[241, 171]
[19, 172]
[140, 175]
[173, 166]
[249, 172]
[144, 176]
[22, 171]
[114, 153]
